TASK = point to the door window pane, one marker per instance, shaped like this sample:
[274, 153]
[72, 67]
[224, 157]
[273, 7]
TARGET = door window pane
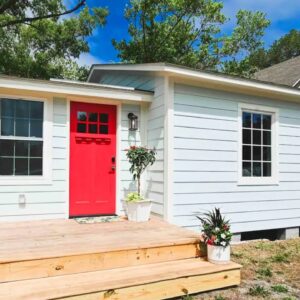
[104, 118]
[92, 128]
[93, 117]
[81, 116]
[103, 129]
[81, 127]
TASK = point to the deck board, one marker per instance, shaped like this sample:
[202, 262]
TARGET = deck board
[92, 282]
[56, 238]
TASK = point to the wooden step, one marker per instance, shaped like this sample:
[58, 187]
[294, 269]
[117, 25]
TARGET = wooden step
[145, 282]
[67, 247]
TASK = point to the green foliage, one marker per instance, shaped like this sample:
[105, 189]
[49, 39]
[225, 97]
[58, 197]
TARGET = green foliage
[278, 288]
[265, 272]
[35, 41]
[134, 197]
[188, 32]
[216, 229]
[281, 258]
[282, 49]
[219, 297]
[258, 291]
[140, 158]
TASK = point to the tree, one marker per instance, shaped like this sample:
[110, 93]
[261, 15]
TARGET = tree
[35, 41]
[282, 49]
[188, 32]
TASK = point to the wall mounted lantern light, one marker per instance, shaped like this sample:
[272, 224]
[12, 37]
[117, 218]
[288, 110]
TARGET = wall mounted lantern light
[133, 122]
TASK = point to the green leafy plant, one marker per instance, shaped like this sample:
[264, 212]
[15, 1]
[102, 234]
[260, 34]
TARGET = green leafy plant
[278, 288]
[216, 229]
[281, 258]
[266, 272]
[140, 158]
[134, 197]
[258, 291]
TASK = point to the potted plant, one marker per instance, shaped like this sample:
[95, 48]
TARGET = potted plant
[137, 207]
[217, 235]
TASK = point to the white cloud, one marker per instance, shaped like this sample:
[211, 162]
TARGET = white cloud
[87, 59]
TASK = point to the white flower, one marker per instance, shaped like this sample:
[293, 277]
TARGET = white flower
[217, 229]
[223, 244]
[223, 235]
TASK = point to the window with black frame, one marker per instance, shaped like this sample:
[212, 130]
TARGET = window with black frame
[256, 144]
[21, 137]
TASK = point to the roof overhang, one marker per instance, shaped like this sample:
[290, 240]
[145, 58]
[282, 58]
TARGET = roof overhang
[65, 88]
[209, 80]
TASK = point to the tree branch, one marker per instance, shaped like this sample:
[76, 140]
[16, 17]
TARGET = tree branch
[29, 20]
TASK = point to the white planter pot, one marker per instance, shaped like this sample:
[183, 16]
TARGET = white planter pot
[218, 254]
[138, 211]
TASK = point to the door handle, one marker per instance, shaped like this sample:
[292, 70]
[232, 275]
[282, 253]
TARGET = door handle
[113, 168]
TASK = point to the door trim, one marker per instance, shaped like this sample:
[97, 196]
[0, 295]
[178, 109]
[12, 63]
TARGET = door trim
[118, 148]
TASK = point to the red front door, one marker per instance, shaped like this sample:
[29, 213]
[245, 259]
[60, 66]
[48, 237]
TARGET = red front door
[92, 159]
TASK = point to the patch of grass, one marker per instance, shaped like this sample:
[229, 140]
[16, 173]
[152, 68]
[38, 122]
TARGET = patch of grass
[265, 272]
[289, 298]
[263, 245]
[279, 288]
[258, 291]
[237, 254]
[187, 297]
[219, 297]
[281, 258]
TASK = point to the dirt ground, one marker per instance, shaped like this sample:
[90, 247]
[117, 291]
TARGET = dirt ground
[271, 270]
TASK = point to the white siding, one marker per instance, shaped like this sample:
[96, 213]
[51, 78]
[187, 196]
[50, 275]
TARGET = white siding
[155, 138]
[43, 201]
[205, 162]
[127, 139]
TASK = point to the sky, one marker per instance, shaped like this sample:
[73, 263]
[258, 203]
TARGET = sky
[284, 16]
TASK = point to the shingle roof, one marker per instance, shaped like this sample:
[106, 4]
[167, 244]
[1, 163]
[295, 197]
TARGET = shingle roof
[286, 73]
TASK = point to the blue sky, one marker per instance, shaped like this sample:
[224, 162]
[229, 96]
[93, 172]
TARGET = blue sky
[284, 15]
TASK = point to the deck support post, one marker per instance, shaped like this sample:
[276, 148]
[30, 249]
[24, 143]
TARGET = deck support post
[289, 233]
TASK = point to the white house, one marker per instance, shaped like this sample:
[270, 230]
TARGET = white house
[221, 142]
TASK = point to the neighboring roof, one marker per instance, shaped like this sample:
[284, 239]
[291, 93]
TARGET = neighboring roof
[207, 79]
[69, 88]
[286, 73]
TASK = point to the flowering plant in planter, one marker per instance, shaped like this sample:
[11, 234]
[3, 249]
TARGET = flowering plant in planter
[217, 235]
[138, 209]
[216, 229]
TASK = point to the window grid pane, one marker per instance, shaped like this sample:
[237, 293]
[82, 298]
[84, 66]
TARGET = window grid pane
[21, 156]
[256, 145]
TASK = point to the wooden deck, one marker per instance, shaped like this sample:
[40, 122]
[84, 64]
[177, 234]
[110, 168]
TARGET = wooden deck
[119, 260]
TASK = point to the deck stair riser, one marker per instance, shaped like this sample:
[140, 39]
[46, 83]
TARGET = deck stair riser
[57, 266]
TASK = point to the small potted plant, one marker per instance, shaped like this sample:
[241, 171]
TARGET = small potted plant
[217, 235]
[138, 208]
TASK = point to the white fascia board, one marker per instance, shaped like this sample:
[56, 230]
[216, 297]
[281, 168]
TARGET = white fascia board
[72, 89]
[232, 82]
